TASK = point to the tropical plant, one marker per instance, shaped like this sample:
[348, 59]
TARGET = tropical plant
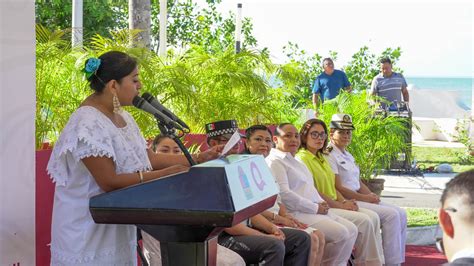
[59, 88]
[377, 138]
[100, 16]
[188, 22]
[198, 86]
[202, 25]
[463, 136]
[299, 73]
[364, 66]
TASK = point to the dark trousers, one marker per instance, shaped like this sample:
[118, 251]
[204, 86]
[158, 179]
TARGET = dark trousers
[264, 250]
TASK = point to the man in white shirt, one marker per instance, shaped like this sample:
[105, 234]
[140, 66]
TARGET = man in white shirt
[456, 218]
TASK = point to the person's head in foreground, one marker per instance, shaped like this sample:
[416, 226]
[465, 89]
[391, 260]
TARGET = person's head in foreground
[456, 218]
[386, 67]
[314, 136]
[164, 144]
[258, 140]
[341, 130]
[114, 75]
[220, 132]
[287, 138]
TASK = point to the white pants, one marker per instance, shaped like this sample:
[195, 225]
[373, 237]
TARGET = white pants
[368, 246]
[340, 236]
[152, 252]
[394, 225]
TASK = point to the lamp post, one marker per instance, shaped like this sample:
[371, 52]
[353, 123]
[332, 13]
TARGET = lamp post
[238, 28]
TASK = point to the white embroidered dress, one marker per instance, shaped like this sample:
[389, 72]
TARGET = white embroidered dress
[75, 238]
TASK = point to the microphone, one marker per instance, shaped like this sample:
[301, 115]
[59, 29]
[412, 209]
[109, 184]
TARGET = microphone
[140, 103]
[155, 103]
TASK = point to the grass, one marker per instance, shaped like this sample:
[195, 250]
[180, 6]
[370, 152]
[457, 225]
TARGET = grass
[421, 217]
[433, 156]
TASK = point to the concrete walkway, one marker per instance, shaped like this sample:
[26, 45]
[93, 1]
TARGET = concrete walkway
[414, 191]
[437, 144]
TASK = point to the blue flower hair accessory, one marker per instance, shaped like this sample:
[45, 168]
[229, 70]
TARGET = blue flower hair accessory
[91, 67]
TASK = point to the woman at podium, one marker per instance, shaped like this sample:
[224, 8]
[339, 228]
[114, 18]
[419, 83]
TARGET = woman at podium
[99, 150]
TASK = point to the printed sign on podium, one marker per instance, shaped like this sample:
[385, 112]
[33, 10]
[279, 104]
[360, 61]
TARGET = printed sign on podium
[249, 178]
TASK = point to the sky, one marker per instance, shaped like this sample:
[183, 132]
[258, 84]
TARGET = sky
[436, 36]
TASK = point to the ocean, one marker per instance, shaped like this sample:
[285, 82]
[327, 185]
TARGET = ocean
[461, 85]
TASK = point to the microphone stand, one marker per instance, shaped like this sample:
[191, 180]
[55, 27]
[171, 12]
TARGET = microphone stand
[170, 132]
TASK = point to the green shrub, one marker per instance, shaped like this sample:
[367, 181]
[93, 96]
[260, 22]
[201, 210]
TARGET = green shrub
[376, 139]
[421, 217]
[198, 86]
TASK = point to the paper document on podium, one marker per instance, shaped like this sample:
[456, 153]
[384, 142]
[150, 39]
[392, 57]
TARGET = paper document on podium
[230, 144]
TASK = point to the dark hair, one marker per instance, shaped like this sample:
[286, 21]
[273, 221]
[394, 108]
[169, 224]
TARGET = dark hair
[158, 139]
[279, 127]
[114, 65]
[385, 60]
[305, 131]
[461, 184]
[250, 131]
[327, 59]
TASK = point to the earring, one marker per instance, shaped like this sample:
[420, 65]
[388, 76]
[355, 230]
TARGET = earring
[116, 103]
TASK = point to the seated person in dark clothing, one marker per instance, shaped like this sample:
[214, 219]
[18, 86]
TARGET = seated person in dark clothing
[263, 243]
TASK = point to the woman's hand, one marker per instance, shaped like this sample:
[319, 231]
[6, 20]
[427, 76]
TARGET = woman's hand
[277, 233]
[299, 224]
[178, 168]
[350, 205]
[323, 208]
[290, 221]
[209, 154]
[285, 221]
[372, 198]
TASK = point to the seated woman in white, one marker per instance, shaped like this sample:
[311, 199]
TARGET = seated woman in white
[303, 201]
[392, 218]
[368, 247]
[258, 140]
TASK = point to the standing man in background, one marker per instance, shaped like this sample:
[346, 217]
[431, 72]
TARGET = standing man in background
[389, 85]
[456, 218]
[328, 84]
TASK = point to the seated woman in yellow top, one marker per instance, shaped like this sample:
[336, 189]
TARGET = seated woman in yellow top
[368, 246]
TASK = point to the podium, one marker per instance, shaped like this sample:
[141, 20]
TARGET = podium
[187, 211]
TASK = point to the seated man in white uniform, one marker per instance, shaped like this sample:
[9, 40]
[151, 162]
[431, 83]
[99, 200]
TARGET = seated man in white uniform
[393, 219]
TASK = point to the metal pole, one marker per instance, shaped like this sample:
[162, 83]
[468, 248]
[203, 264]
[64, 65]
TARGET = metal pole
[238, 27]
[471, 135]
[163, 23]
[77, 28]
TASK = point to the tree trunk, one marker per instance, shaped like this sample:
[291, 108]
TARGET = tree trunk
[139, 17]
